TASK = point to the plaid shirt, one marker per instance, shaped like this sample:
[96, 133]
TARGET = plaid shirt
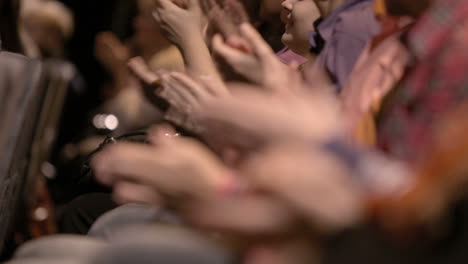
[437, 82]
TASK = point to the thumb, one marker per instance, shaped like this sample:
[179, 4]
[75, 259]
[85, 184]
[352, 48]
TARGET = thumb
[239, 43]
[165, 4]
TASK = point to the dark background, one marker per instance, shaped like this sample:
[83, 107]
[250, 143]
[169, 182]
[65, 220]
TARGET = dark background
[92, 17]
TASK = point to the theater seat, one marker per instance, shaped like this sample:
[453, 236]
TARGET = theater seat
[31, 101]
[21, 97]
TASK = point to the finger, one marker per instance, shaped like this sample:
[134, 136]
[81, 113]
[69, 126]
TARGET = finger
[231, 55]
[176, 96]
[162, 73]
[140, 70]
[164, 77]
[181, 3]
[136, 63]
[188, 89]
[259, 171]
[239, 43]
[134, 162]
[214, 86]
[226, 51]
[179, 91]
[192, 4]
[192, 86]
[241, 135]
[175, 116]
[236, 11]
[245, 112]
[128, 192]
[166, 4]
[161, 135]
[258, 44]
[209, 5]
[157, 16]
[266, 214]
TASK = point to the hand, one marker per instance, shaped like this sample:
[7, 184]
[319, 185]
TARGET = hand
[142, 72]
[180, 23]
[246, 214]
[181, 3]
[176, 167]
[188, 97]
[250, 117]
[225, 16]
[177, 92]
[305, 176]
[260, 66]
[111, 53]
[150, 82]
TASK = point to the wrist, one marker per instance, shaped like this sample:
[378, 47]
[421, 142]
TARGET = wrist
[191, 40]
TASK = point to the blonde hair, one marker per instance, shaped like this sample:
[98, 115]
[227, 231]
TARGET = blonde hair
[52, 12]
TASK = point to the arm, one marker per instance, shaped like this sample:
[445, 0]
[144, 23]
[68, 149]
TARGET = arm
[184, 27]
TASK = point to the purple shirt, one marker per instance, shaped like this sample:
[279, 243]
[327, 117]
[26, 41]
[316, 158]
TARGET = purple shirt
[345, 33]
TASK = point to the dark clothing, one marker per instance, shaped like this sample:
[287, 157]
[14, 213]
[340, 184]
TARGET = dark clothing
[80, 214]
[369, 245]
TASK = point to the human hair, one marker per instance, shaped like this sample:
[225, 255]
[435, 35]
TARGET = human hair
[252, 7]
[407, 8]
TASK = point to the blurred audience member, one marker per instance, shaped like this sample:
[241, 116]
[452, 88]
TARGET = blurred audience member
[129, 105]
[341, 36]
[283, 169]
[49, 24]
[298, 26]
[380, 67]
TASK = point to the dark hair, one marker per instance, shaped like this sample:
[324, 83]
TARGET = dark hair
[252, 7]
[407, 7]
[9, 16]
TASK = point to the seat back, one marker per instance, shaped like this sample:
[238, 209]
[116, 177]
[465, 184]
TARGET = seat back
[21, 98]
[57, 77]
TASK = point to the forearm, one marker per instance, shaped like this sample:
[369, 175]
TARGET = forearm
[197, 57]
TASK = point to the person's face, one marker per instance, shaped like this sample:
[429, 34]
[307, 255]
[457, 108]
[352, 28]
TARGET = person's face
[301, 15]
[405, 7]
